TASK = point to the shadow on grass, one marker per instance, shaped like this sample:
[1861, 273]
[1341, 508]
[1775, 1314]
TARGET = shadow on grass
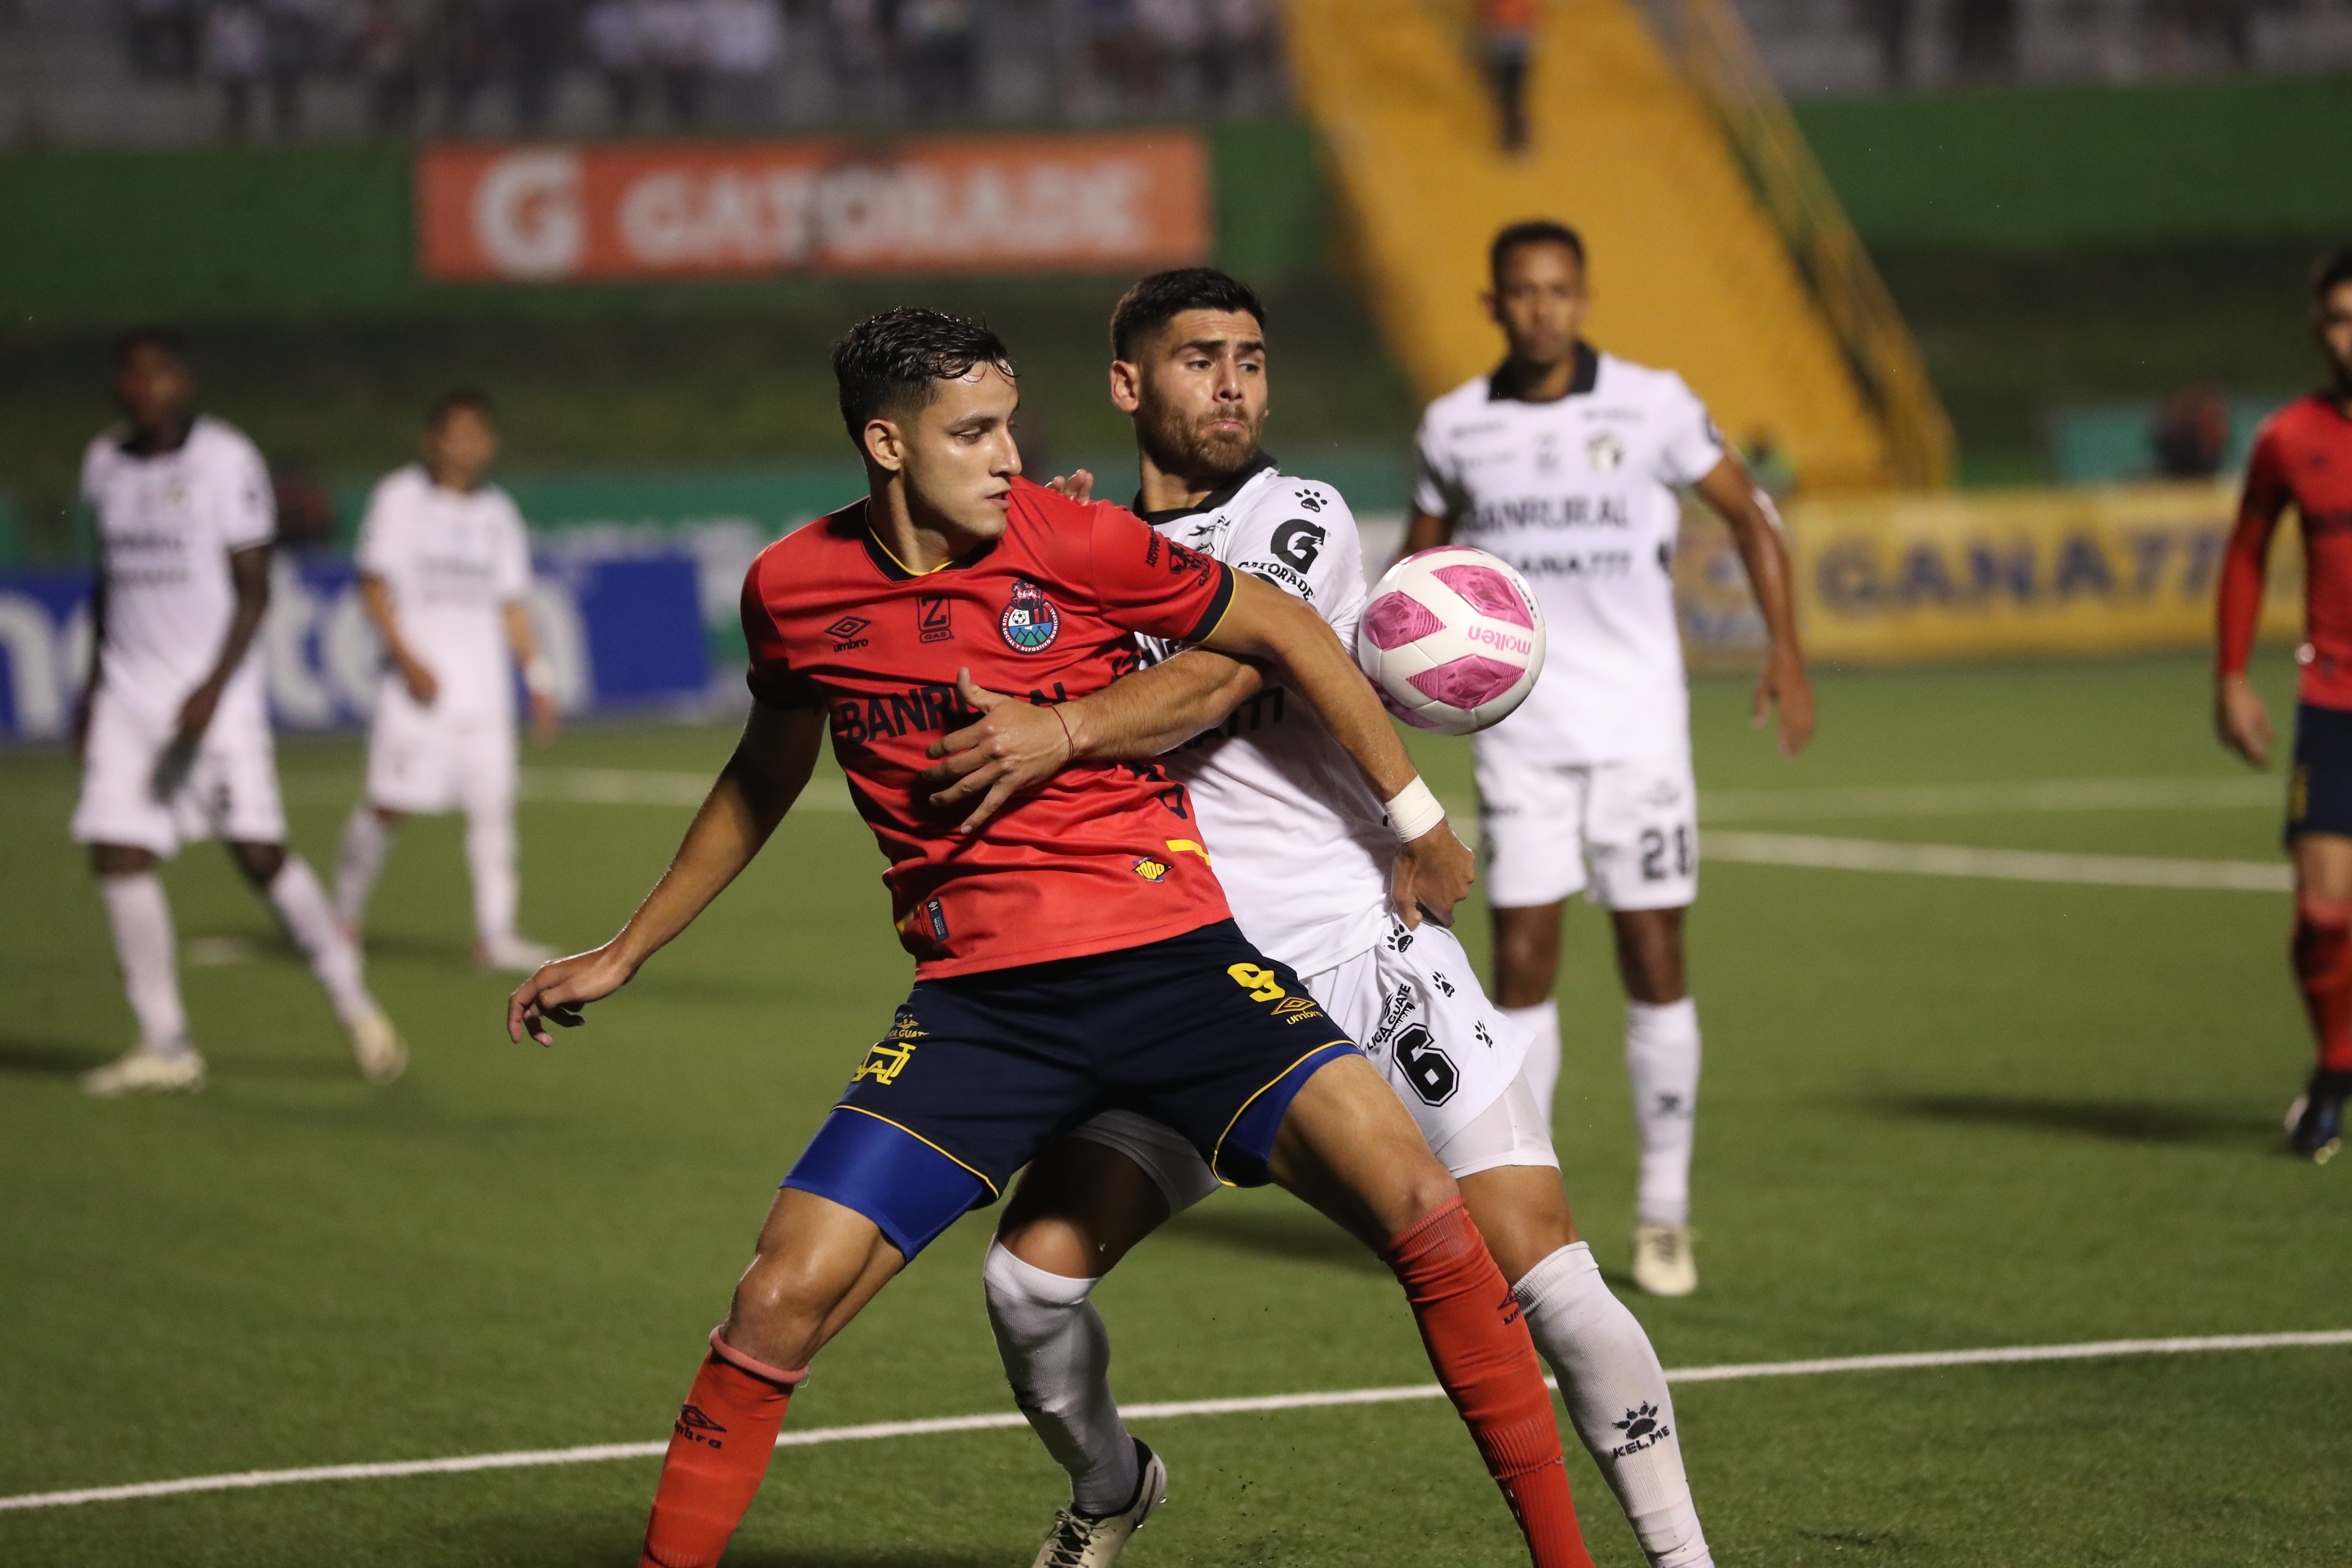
[584, 1543]
[46, 1058]
[1298, 1233]
[2122, 1121]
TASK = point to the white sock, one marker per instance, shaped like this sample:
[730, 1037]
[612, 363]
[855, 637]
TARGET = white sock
[490, 858]
[1058, 1357]
[367, 839]
[1661, 1060]
[1542, 1022]
[1613, 1385]
[140, 920]
[301, 905]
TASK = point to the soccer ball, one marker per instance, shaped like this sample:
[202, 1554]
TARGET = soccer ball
[1452, 639]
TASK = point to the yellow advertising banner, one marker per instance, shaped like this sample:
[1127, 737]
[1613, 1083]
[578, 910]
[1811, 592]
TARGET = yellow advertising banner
[1891, 577]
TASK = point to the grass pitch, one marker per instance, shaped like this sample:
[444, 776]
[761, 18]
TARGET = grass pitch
[1938, 1113]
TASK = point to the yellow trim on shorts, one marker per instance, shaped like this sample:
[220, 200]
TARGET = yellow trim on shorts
[1218, 1147]
[993, 1190]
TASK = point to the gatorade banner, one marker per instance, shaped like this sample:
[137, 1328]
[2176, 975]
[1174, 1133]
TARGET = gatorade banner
[641, 211]
[1998, 574]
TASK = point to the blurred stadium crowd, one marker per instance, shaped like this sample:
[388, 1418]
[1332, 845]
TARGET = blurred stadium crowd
[455, 67]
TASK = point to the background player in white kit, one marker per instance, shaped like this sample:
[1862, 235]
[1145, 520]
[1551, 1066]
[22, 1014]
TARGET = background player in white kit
[1565, 462]
[1304, 852]
[444, 570]
[173, 725]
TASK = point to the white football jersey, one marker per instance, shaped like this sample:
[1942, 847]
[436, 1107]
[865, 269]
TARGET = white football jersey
[166, 527]
[453, 561]
[1296, 836]
[1578, 494]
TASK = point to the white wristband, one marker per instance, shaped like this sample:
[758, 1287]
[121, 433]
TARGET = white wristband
[539, 677]
[1414, 811]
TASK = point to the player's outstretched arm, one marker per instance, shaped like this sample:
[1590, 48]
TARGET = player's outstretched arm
[2239, 719]
[1755, 529]
[375, 598]
[248, 573]
[771, 766]
[1435, 869]
[1016, 744]
[537, 676]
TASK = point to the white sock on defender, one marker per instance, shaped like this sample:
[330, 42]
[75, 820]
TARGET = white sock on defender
[1616, 1396]
[1542, 1022]
[1661, 1060]
[491, 859]
[140, 918]
[367, 839]
[1058, 1357]
[301, 904]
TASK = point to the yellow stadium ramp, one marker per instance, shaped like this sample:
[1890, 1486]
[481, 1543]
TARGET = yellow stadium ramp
[1716, 248]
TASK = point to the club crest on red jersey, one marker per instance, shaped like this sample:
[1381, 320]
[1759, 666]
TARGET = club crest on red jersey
[1030, 621]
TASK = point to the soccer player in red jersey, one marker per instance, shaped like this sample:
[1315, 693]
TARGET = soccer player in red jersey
[1074, 954]
[2302, 457]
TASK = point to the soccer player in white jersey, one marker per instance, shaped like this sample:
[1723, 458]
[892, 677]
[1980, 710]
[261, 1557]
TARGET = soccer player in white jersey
[1565, 462]
[173, 726]
[1304, 853]
[445, 567]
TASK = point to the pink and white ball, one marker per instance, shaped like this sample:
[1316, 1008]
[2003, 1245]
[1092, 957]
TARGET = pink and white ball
[1452, 639]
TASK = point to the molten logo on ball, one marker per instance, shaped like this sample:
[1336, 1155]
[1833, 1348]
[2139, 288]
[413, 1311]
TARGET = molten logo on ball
[1453, 639]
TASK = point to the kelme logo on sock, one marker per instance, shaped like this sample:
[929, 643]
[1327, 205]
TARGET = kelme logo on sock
[1643, 1429]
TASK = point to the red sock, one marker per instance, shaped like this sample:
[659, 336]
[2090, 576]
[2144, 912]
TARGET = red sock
[1470, 1324]
[718, 1450]
[2323, 943]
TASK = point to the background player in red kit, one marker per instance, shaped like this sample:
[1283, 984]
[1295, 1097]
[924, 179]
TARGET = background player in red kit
[2302, 457]
[1076, 954]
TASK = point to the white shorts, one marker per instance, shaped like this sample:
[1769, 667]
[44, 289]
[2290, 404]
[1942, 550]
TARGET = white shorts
[1625, 835]
[230, 793]
[1415, 1008]
[425, 763]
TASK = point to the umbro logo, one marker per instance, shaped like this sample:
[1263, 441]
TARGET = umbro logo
[845, 633]
[695, 1428]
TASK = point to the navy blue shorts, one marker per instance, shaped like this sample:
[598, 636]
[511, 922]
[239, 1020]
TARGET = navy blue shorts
[1200, 1031]
[2319, 793]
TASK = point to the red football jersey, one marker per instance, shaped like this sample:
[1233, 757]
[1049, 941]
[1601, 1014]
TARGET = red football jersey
[2301, 457]
[1103, 856]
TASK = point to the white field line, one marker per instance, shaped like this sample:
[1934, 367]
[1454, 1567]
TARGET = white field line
[2244, 792]
[814, 1435]
[1999, 865]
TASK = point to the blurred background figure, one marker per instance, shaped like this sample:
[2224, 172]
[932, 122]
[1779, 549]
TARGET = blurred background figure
[236, 55]
[534, 32]
[1507, 39]
[2192, 433]
[296, 35]
[857, 49]
[1237, 54]
[1170, 34]
[670, 32]
[163, 36]
[935, 38]
[609, 31]
[743, 48]
[464, 54]
[386, 55]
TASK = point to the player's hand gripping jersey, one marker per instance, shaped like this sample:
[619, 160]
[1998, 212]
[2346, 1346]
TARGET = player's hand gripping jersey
[166, 527]
[1104, 856]
[1578, 494]
[453, 561]
[2301, 457]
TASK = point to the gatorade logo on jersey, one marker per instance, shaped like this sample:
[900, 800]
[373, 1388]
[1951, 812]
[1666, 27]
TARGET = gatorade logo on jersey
[1030, 621]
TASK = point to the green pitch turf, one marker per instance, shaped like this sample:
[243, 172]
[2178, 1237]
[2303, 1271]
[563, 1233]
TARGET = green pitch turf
[1938, 1114]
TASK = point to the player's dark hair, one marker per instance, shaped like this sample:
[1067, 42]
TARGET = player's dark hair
[1535, 231]
[472, 399]
[899, 357]
[1164, 296]
[146, 335]
[2329, 273]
